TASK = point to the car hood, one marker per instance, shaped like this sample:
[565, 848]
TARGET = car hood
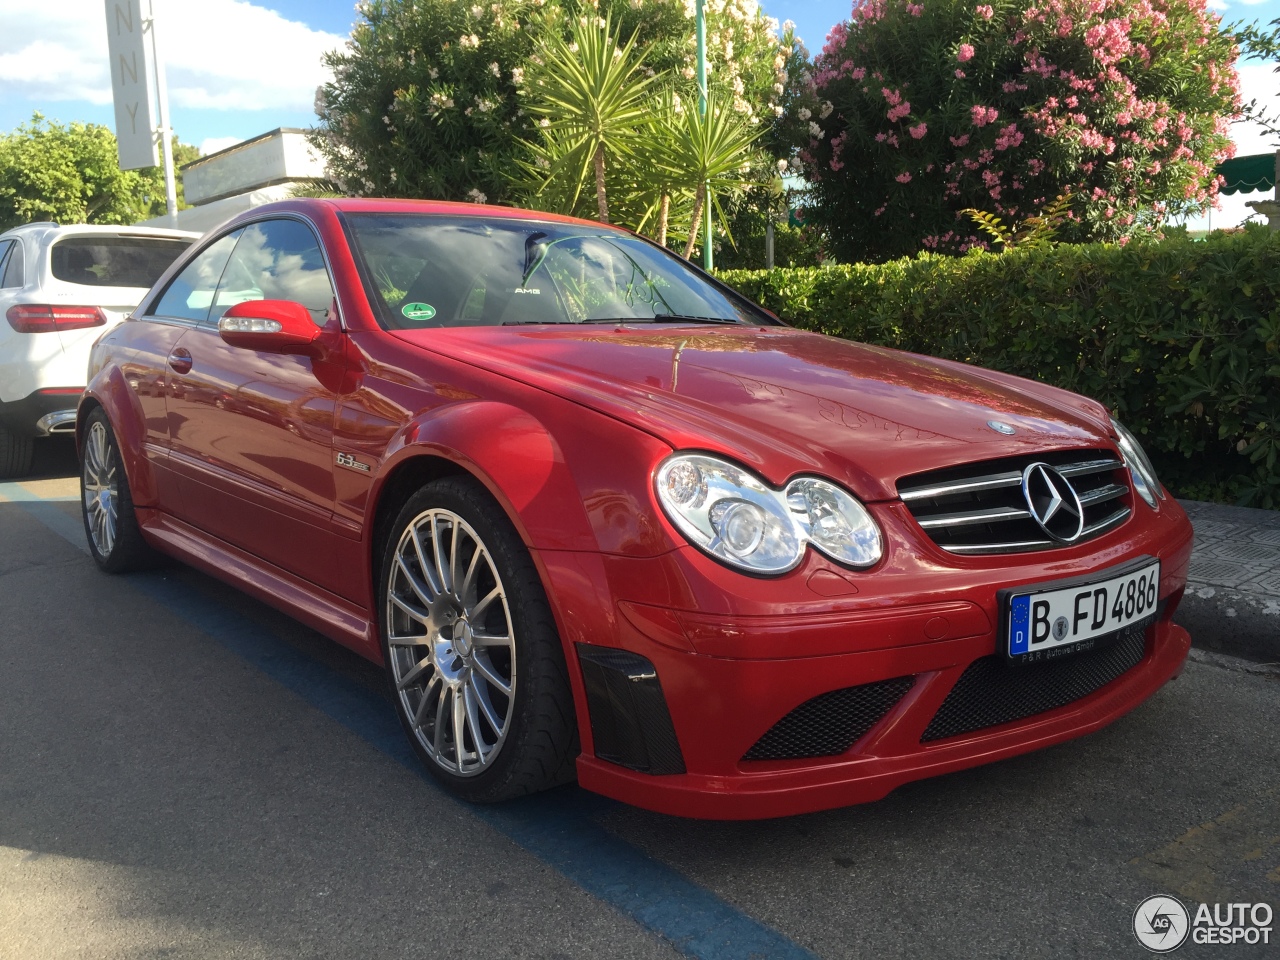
[784, 401]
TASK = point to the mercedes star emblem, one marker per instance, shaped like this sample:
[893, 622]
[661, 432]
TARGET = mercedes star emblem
[1053, 502]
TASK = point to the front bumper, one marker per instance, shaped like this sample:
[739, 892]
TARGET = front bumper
[735, 655]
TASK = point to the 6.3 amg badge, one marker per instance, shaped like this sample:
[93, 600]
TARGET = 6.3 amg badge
[347, 460]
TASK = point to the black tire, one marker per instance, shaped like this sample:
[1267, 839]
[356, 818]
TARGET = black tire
[538, 743]
[124, 550]
[16, 455]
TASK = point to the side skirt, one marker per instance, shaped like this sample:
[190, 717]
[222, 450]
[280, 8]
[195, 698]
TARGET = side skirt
[336, 618]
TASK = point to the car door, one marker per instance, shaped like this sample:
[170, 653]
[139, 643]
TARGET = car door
[150, 359]
[252, 432]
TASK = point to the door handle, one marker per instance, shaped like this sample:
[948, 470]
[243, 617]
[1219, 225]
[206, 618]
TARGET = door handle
[180, 360]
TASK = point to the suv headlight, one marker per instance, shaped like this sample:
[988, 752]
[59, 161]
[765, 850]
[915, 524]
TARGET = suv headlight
[1140, 469]
[735, 517]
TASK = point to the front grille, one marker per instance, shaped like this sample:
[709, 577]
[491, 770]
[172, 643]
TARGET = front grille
[830, 724]
[980, 507]
[992, 691]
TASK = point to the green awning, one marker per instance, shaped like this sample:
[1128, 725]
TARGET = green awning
[1247, 174]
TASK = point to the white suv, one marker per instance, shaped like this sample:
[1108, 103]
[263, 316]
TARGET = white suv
[60, 287]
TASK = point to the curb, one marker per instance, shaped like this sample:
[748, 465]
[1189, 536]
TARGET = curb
[1232, 603]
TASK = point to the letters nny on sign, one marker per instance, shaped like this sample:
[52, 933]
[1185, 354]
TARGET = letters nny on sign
[132, 71]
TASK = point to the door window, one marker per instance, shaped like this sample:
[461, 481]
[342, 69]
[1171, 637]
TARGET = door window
[191, 293]
[276, 260]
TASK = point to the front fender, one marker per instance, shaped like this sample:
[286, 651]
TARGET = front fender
[109, 390]
[573, 480]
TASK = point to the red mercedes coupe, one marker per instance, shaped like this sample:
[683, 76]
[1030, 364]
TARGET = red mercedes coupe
[600, 516]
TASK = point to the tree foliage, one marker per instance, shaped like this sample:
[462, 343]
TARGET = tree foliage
[589, 95]
[425, 100]
[70, 173]
[926, 109]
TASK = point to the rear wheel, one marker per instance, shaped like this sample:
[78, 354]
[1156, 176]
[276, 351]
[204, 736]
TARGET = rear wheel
[473, 656]
[106, 503]
[16, 455]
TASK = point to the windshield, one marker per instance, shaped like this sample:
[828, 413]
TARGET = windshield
[437, 271]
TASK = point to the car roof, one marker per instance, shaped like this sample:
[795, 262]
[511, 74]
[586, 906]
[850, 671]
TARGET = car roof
[53, 231]
[427, 207]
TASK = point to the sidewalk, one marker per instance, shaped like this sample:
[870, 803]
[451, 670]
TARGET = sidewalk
[1232, 604]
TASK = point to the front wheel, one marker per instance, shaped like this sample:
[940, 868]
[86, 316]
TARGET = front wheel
[473, 656]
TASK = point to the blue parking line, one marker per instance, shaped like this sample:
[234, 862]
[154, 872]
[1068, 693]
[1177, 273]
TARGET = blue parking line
[560, 828]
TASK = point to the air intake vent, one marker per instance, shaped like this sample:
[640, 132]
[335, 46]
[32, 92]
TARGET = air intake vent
[830, 724]
[630, 723]
[981, 508]
[992, 691]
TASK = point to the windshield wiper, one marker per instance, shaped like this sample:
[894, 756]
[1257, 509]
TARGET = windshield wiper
[685, 318]
[660, 318]
[564, 323]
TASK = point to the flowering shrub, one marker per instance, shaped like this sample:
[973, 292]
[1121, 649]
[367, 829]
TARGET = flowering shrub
[1179, 337]
[1003, 106]
[425, 97]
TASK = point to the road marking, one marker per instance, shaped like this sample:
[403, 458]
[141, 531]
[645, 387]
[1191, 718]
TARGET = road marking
[1191, 864]
[560, 828]
[38, 491]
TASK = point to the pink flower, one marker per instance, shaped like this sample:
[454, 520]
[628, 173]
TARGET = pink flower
[1092, 139]
[915, 9]
[903, 177]
[893, 96]
[981, 115]
[984, 11]
[965, 52]
[959, 74]
[1009, 137]
[918, 131]
[857, 73]
[959, 141]
[901, 110]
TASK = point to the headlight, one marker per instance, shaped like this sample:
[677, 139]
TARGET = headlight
[735, 517]
[1135, 458]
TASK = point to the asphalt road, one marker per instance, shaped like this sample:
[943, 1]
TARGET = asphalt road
[186, 773]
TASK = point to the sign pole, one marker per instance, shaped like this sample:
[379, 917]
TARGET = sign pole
[165, 131]
[708, 255]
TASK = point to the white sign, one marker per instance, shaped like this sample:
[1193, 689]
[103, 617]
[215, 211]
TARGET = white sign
[132, 71]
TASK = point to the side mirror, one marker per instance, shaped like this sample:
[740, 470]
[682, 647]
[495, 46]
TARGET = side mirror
[270, 326]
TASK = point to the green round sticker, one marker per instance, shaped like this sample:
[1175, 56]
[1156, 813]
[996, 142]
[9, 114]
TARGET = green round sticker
[418, 311]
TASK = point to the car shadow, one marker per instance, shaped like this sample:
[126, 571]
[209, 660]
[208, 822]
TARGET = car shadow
[55, 458]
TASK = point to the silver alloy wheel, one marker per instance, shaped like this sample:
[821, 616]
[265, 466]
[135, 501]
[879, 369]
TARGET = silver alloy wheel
[101, 489]
[452, 644]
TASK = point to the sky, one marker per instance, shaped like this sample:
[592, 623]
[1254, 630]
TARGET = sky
[238, 68]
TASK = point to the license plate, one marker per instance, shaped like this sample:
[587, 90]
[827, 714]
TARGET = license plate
[1052, 620]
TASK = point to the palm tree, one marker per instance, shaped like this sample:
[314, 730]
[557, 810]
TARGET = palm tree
[591, 99]
[702, 155]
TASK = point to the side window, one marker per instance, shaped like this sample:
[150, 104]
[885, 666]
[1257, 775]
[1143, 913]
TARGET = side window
[12, 272]
[191, 293]
[5, 246]
[276, 260]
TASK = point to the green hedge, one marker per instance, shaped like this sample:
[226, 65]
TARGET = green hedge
[1181, 338]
